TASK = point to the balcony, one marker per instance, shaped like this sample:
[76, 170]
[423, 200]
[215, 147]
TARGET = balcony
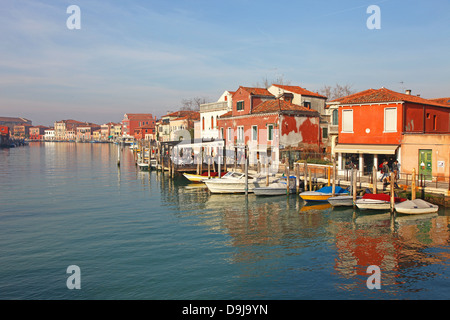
[214, 106]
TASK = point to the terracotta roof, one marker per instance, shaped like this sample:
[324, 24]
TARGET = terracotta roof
[445, 101]
[226, 115]
[184, 113]
[383, 95]
[256, 91]
[12, 119]
[279, 105]
[131, 116]
[299, 90]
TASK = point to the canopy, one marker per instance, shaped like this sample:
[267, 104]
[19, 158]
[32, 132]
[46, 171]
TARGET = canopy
[366, 148]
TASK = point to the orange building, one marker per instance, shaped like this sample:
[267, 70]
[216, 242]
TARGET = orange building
[372, 124]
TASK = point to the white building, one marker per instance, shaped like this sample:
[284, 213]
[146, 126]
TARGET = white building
[49, 135]
[209, 112]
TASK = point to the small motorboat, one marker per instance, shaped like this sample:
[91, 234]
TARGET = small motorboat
[377, 201]
[323, 194]
[202, 177]
[143, 166]
[416, 206]
[276, 188]
[233, 182]
[342, 201]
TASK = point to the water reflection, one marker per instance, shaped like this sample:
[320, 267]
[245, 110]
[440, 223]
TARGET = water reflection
[274, 228]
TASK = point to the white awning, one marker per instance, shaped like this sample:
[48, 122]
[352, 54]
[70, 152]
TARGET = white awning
[366, 148]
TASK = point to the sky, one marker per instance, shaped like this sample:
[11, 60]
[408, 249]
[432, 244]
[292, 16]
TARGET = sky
[147, 56]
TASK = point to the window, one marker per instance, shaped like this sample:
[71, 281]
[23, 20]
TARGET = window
[390, 120]
[335, 119]
[324, 133]
[347, 120]
[203, 123]
[212, 122]
[270, 132]
[307, 104]
[434, 122]
[221, 133]
[240, 105]
[240, 134]
[254, 133]
[229, 134]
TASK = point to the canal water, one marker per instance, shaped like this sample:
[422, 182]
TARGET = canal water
[141, 235]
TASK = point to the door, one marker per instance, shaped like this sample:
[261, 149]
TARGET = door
[425, 163]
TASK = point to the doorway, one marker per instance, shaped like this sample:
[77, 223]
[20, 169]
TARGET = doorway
[425, 167]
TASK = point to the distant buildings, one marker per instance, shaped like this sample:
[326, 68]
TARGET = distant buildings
[132, 121]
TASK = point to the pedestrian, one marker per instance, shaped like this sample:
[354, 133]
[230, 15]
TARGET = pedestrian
[395, 169]
[385, 170]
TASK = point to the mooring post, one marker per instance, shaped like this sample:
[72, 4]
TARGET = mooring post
[246, 170]
[392, 192]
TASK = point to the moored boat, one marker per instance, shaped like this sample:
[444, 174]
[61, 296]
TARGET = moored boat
[201, 177]
[276, 188]
[342, 201]
[232, 182]
[416, 206]
[378, 201]
[323, 194]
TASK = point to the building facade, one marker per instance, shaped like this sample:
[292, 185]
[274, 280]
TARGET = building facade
[131, 121]
[372, 124]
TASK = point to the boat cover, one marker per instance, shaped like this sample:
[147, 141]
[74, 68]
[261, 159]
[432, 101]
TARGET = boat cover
[329, 189]
[382, 196]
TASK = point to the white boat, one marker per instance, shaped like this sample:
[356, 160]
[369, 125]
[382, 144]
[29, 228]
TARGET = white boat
[232, 182]
[342, 201]
[417, 206]
[202, 177]
[143, 166]
[379, 201]
[276, 188]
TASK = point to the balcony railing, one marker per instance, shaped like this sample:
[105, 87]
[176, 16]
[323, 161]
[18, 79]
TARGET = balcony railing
[214, 106]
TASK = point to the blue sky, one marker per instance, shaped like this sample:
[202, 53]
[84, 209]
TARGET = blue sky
[146, 56]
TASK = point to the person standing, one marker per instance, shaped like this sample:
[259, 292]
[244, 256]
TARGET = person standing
[385, 170]
[395, 169]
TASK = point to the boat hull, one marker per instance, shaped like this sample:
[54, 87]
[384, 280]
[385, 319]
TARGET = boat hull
[315, 196]
[369, 204]
[341, 201]
[417, 206]
[228, 187]
[267, 191]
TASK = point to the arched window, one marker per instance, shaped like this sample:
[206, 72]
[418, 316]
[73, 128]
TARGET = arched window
[335, 117]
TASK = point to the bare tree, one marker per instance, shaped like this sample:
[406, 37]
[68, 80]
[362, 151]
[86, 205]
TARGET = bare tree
[266, 83]
[193, 104]
[338, 91]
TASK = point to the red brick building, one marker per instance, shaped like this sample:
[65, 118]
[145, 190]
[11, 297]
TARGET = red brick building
[270, 126]
[132, 121]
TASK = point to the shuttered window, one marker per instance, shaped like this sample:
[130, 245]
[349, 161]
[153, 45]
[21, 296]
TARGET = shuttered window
[390, 120]
[347, 120]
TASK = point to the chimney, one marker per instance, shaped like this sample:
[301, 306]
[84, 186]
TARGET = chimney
[408, 91]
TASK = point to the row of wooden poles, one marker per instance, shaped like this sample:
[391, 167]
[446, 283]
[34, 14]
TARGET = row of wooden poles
[307, 174]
